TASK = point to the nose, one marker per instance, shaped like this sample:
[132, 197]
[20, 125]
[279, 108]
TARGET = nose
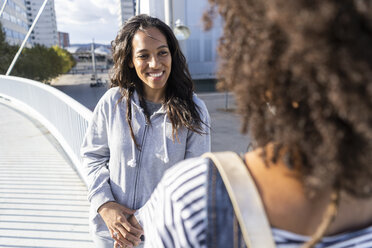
[153, 63]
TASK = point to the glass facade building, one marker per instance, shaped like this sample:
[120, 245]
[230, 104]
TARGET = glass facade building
[45, 31]
[127, 10]
[14, 21]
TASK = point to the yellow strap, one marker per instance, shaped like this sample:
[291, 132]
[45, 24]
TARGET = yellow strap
[245, 199]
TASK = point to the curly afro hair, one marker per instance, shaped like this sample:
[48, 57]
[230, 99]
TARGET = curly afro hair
[311, 61]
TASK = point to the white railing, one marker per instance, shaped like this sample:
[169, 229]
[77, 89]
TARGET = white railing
[65, 118]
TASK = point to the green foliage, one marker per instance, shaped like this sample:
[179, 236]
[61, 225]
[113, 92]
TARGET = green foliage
[6, 52]
[67, 60]
[38, 63]
[2, 35]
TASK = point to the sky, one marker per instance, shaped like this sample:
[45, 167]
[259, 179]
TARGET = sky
[85, 20]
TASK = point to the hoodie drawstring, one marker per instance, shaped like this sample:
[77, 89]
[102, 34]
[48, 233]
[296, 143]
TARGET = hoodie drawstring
[166, 158]
[132, 162]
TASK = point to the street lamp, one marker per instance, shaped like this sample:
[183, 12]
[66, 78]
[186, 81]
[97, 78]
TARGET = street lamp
[180, 31]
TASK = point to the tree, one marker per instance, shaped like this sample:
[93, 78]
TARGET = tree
[6, 52]
[38, 63]
[67, 59]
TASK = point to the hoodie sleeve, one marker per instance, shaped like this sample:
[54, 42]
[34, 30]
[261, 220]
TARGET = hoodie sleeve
[96, 154]
[197, 144]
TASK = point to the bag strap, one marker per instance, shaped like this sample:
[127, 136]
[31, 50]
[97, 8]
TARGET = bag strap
[245, 199]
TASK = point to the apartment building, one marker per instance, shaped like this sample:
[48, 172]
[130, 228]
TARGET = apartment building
[45, 31]
[63, 39]
[127, 10]
[14, 21]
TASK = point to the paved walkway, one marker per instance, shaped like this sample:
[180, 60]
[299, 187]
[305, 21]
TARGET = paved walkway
[42, 200]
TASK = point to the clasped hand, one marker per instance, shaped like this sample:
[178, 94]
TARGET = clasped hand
[123, 226]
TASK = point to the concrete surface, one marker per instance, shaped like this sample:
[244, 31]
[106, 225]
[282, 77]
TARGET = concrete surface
[43, 202]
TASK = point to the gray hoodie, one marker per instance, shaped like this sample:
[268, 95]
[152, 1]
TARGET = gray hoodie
[116, 169]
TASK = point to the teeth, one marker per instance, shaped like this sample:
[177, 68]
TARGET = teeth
[156, 74]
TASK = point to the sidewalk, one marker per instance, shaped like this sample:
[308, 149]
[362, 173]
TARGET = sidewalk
[225, 124]
[43, 202]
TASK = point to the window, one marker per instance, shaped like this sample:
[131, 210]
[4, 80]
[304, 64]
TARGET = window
[6, 16]
[194, 48]
[208, 50]
[11, 4]
[8, 32]
[13, 19]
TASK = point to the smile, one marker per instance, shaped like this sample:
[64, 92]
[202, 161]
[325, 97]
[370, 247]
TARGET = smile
[156, 74]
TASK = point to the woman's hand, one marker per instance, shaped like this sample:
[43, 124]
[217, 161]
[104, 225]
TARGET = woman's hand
[133, 221]
[123, 229]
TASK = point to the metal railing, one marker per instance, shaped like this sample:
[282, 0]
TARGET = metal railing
[64, 117]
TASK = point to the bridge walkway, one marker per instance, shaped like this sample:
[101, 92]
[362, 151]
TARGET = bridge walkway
[42, 199]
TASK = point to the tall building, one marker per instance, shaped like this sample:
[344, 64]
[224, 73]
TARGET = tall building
[14, 21]
[127, 10]
[45, 31]
[63, 39]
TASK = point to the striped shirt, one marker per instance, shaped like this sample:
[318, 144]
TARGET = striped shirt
[176, 214]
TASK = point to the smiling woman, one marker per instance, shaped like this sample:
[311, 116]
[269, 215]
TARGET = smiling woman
[149, 120]
[153, 62]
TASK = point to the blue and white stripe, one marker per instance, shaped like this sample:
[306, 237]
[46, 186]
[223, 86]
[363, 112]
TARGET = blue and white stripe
[176, 215]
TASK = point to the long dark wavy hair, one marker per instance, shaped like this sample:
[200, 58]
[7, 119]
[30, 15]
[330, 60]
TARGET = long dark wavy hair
[181, 109]
[312, 62]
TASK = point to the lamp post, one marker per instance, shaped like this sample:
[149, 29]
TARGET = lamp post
[94, 61]
[138, 7]
[168, 12]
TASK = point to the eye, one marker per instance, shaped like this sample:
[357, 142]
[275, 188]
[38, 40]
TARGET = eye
[142, 56]
[163, 53]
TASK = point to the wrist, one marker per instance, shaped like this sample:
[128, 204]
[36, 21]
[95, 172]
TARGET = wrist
[105, 206]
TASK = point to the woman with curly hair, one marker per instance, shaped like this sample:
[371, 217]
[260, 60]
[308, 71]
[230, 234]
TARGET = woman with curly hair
[302, 75]
[149, 120]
